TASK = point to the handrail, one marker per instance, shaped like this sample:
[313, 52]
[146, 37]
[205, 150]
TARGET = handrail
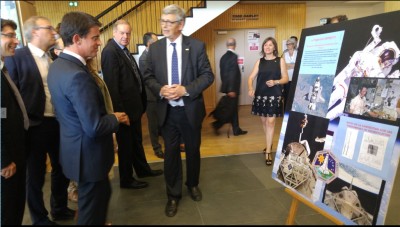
[122, 15]
[109, 9]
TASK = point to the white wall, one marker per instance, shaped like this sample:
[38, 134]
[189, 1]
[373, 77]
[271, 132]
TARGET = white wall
[317, 10]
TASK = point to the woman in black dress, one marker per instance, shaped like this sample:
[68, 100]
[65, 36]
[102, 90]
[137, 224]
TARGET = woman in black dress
[271, 73]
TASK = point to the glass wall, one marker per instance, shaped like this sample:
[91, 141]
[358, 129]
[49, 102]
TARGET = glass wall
[9, 11]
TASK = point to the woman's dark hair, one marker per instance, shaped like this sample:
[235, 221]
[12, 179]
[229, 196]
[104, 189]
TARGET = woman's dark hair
[275, 52]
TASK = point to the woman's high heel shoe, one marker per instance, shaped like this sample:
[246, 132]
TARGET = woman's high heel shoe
[268, 161]
[265, 149]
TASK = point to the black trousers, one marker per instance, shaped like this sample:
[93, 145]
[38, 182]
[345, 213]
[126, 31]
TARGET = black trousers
[13, 195]
[43, 139]
[131, 151]
[177, 126]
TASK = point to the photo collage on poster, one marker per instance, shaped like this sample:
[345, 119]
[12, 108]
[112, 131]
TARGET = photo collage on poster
[343, 115]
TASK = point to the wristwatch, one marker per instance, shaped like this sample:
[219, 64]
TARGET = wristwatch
[278, 82]
[186, 94]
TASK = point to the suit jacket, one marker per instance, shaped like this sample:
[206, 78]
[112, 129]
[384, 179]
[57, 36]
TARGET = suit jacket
[86, 144]
[26, 76]
[122, 82]
[196, 77]
[230, 73]
[12, 128]
[142, 64]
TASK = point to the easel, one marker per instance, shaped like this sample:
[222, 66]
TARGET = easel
[295, 204]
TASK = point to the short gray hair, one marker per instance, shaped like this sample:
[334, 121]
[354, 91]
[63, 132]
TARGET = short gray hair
[118, 22]
[31, 24]
[175, 10]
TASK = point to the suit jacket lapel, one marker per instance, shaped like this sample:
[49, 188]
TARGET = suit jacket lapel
[163, 62]
[185, 58]
[123, 55]
[32, 63]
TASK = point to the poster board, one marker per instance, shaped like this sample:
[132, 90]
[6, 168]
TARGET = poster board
[339, 145]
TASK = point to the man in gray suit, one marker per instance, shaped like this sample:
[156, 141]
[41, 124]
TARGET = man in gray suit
[151, 110]
[86, 143]
[177, 72]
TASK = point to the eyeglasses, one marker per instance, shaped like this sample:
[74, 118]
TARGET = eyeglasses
[287, 44]
[10, 35]
[169, 23]
[51, 28]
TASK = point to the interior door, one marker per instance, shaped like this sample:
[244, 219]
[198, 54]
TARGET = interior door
[248, 47]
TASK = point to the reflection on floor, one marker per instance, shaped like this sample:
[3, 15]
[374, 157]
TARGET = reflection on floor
[237, 190]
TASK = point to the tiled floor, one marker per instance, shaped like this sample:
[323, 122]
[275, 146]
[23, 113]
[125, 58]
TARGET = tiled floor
[237, 190]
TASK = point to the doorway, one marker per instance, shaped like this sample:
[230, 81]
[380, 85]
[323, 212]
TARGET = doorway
[248, 48]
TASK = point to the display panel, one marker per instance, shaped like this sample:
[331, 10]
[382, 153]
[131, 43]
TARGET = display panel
[339, 145]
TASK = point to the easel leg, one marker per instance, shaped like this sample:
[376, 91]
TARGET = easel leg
[292, 212]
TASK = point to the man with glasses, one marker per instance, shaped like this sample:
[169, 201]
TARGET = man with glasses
[28, 69]
[124, 81]
[177, 72]
[14, 122]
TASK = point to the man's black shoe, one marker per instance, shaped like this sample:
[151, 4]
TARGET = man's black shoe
[241, 132]
[159, 154]
[152, 173]
[195, 193]
[66, 214]
[135, 184]
[171, 208]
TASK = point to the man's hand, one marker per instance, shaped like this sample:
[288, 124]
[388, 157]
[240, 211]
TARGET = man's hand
[122, 117]
[231, 94]
[173, 92]
[9, 171]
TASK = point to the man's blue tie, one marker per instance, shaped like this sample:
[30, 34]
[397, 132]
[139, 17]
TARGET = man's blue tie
[174, 66]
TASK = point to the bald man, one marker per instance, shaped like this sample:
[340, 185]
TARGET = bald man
[230, 85]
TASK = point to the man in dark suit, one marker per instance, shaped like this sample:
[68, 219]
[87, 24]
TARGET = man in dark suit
[28, 69]
[86, 153]
[151, 110]
[127, 92]
[14, 123]
[230, 85]
[177, 72]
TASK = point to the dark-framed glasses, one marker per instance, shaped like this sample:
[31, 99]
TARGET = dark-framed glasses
[51, 28]
[169, 23]
[10, 35]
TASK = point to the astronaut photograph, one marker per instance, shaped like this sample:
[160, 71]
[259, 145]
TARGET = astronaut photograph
[312, 94]
[355, 194]
[305, 136]
[373, 98]
[374, 53]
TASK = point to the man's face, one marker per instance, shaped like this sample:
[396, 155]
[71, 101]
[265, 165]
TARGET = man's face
[45, 33]
[89, 45]
[122, 34]
[9, 41]
[363, 92]
[171, 27]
